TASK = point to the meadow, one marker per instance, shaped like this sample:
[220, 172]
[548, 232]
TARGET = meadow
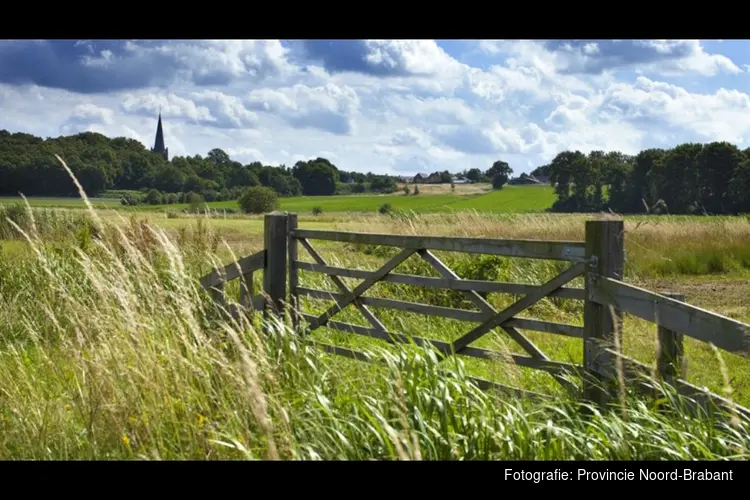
[109, 350]
[431, 199]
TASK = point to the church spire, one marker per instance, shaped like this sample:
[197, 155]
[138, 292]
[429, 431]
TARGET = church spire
[159, 143]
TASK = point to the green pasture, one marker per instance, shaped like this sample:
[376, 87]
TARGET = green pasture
[509, 199]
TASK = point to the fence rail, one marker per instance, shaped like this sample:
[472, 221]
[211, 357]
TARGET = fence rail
[606, 297]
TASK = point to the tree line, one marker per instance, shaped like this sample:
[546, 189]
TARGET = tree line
[690, 178]
[28, 166]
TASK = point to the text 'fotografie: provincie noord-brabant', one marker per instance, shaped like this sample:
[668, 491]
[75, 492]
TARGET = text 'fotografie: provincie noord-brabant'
[619, 475]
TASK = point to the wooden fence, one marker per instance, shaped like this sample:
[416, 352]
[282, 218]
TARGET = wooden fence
[599, 259]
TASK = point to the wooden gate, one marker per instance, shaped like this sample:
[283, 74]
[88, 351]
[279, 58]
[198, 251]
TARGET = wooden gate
[488, 318]
[599, 258]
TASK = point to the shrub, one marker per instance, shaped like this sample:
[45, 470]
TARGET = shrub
[153, 197]
[385, 208]
[317, 210]
[129, 200]
[194, 200]
[259, 200]
[416, 189]
[211, 195]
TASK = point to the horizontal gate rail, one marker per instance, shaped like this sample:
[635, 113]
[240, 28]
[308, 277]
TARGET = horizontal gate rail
[445, 348]
[443, 283]
[450, 313]
[234, 270]
[532, 249]
[244, 268]
[706, 326]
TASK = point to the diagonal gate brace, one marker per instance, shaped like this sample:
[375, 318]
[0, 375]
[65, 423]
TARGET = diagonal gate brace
[374, 321]
[361, 288]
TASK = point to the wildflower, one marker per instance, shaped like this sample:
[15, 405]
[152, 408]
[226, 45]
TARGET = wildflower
[126, 440]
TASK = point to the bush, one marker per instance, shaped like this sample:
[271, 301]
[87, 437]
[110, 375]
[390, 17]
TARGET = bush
[194, 200]
[385, 208]
[171, 198]
[129, 200]
[317, 210]
[153, 197]
[259, 200]
[416, 189]
[211, 195]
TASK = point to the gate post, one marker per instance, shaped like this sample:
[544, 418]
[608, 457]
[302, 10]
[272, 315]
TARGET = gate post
[275, 270]
[293, 272]
[606, 251]
[670, 359]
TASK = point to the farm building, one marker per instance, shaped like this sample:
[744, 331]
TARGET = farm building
[526, 179]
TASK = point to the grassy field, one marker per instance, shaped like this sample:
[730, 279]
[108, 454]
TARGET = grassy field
[511, 199]
[108, 350]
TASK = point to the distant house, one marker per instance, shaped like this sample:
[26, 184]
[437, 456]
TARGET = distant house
[418, 179]
[526, 179]
[457, 180]
[434, 178]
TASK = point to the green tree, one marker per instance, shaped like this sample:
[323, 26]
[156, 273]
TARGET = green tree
[259, 200]
[718, 162]
[474, 175]
[498, 181]
[499, 168]
[500, 173]
[317, 177]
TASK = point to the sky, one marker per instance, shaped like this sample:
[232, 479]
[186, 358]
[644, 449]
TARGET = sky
[386, 106]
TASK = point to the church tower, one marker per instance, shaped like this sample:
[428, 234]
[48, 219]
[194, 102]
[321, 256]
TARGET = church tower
[159, 143]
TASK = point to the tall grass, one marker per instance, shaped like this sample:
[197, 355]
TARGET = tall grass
[110, 350]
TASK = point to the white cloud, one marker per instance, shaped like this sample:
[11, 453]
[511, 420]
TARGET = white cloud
[330, 107]
[395, 106]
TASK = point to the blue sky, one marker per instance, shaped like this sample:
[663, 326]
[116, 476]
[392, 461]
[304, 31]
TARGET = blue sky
[388, 106]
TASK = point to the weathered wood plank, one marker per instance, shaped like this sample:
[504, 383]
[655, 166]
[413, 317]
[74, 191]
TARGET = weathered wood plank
[604, 245]
[401, 305]
[669, 360]
[369, 316]
[254, 303]
[362, 288]
[247, 289]
[546, 327]
[490, 312]
[293, 249]
[575, 293]
[518, 306]
[725, 333]
[443, 347]
[275, 272]
[234, 270]
[533, 249]
[451, 313]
